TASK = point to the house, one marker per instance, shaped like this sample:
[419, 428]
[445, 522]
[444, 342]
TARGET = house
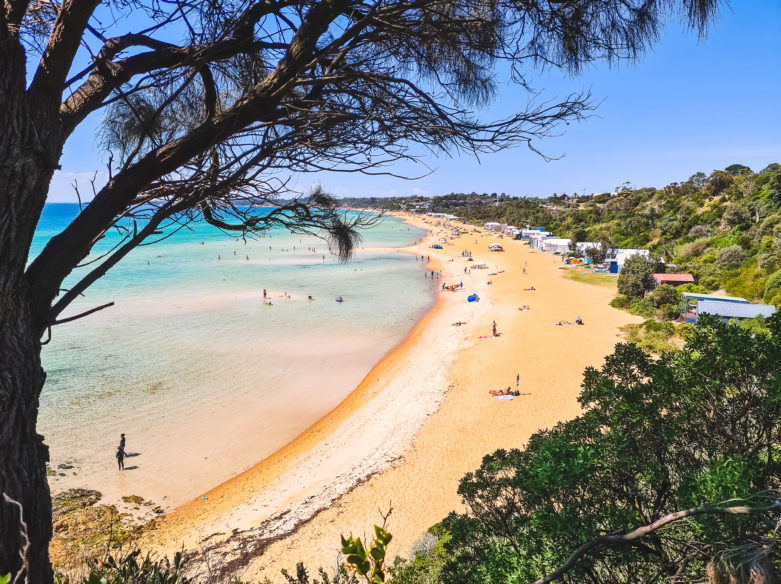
[673, 279]
[726, 311]
[690, 300]
[494, 226]
[556, 245]
[617, 257]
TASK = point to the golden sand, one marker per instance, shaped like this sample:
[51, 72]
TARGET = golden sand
[440, 375]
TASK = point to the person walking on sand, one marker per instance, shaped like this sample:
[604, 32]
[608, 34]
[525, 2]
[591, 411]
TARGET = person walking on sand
[493, 327]
[122, 442]
[517, 380]
[120, 458]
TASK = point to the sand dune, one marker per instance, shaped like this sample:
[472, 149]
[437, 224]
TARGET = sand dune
[420, 419]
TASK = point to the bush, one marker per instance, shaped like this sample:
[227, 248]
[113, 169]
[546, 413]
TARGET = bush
[642, 307]
[700, 231]
[773, 283]
[747, 283]
[710, 283]
[620, 302]
[768, 262]
[730, 257]
[693, 288]
[734, 216]
[695, 249]
[665, 294]
[668, 312]
[636, 277]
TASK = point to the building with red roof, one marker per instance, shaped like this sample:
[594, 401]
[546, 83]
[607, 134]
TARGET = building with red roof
[673, 279]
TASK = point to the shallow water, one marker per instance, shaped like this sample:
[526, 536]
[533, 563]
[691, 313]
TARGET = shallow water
[204, 378]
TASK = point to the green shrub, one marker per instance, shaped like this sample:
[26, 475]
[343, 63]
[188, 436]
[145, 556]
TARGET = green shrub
[665, 294]
[620, 302]
[773, 283]
[692, 288]
[756, 326]
[768, 262]
[664, 329]
[668, 311]
[694, 249]
[748, 283]
[710, 283]
[730, 257]
[642, 307]
[636, 277]
[133, 569]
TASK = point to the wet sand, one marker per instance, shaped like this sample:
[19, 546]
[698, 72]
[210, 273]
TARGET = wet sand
[419, 421]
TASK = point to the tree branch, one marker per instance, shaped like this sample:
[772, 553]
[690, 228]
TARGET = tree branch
[647, 529]
[81, 314]
[49, 80]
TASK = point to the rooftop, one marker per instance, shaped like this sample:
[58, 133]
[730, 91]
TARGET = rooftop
[674, 278]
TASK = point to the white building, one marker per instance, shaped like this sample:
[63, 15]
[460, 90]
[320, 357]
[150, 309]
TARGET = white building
[556, 245]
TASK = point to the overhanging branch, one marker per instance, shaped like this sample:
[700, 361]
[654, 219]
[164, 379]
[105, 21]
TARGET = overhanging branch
[640, 532]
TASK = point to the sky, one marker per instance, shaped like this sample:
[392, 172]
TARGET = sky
[688, 105]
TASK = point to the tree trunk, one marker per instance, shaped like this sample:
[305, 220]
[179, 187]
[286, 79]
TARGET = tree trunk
[23, 455]
[26, 154]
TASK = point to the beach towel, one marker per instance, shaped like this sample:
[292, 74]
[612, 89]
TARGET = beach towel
[504, 397]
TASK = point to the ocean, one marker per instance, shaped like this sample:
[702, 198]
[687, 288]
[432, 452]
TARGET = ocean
[203, 378]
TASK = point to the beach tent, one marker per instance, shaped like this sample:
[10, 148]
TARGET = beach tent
[495, 247]
[472, 298]
[436, 246]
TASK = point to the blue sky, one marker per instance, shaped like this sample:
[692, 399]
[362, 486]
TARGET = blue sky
[687, 106]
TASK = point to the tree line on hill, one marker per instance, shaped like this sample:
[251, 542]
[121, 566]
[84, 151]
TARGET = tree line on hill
[724, 228]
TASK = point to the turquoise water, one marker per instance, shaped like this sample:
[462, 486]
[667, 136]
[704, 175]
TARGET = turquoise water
[190, 339]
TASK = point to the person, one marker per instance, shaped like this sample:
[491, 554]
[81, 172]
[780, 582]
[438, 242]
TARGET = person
[493, 327]
[578, 320]
[264, 295]
[507, 391]
[339, 299]
[120, 458]
[517, 379]
[122, 441]
[309, 298]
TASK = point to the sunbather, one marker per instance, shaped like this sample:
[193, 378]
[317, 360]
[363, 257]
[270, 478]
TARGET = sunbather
[495, 392]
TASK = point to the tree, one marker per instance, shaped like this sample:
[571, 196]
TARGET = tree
[207, 108]
[636, 276]
[694, 434]
[738, 169]
[597, 253]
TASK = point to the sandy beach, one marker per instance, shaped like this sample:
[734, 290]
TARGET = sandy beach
[419, 420]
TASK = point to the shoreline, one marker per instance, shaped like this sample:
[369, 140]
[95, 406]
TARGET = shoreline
[262, 474]
[318, 492]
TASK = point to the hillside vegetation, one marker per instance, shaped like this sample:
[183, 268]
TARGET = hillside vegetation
[725, 228]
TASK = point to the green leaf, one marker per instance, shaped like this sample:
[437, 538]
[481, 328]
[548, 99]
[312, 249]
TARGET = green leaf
[383, 536]
[5, 579]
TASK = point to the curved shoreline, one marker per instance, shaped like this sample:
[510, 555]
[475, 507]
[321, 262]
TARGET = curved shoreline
[174, 530]
[421, 451]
